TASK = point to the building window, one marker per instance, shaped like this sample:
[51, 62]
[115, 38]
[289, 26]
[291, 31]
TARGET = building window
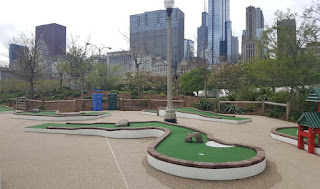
[138, 21]
[146, 20]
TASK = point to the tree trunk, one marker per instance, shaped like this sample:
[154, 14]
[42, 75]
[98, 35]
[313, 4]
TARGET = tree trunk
[61, 80]
[31, 88]
[82, 86]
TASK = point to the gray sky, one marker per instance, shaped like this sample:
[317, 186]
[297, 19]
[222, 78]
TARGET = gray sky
[103, 19]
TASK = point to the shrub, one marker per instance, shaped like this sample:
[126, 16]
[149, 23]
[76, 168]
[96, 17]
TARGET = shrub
[233, 109]
[150, 92]
[280, 97]
[134, 93]
[205, 104]
[88, 97]
[134, 97]
[114, 91]
[76, 94]
[162, 94]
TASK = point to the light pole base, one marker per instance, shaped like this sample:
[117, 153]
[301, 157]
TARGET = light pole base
[170, 116]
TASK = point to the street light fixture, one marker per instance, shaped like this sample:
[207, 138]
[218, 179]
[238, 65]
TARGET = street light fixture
[170, 114]
[100, 49]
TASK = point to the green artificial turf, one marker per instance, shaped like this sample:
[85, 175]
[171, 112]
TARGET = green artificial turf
[190, 110]
[39, 113]
[152, 111]
[52, 113]
[5, 109]
[293, 132]
[94, 113]
[174, 145]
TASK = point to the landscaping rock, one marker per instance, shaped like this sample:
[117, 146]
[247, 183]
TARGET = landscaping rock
[123, 123]
[196, 135]
[35, 110]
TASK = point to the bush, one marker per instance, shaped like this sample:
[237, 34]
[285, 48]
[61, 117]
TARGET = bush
[114, 91]
[76, 94]
[134, 93]
[162, 94]
[205, 104]
[134, 97]
[232, 109]
[150, 92]
[280, 97]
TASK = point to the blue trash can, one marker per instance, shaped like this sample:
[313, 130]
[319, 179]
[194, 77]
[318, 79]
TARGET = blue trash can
[97, 101]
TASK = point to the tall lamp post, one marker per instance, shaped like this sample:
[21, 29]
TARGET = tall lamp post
[100, 49]
[170, 114]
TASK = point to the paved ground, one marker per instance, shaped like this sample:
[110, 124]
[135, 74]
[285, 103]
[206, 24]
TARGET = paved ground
[31, 160]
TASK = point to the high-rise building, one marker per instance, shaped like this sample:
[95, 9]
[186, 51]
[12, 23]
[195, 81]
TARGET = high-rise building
[234, 50]
[54, 36]
[188, 49]
[254, 28]
[202, 38]
[219, 31]
[148, 34]
[286, 33]
[15, 51]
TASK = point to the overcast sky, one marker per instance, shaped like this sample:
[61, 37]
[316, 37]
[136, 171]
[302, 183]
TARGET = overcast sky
[103, 19]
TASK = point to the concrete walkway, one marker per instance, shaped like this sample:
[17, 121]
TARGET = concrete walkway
[31, 160]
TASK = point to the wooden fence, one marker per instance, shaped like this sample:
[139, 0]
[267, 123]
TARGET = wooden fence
[263, 103]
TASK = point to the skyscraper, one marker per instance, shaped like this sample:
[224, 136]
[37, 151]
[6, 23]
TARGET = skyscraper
[188, 50]
[254, 28]
[54, 37]
[286, 33]
[220, 31]
[235, 50]
[148, 33]
[202, 38]
[15, 51]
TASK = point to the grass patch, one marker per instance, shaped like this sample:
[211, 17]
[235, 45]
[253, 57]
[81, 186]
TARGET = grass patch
[152, 111]
[293, 132]
[213, 115]
[5, 109]
[53, 113]
[174, 145]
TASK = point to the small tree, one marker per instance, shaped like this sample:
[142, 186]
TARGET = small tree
[104, 76]
[60, 67]
[79, 63]
[138, 80]
[28, 66]
[192, 81]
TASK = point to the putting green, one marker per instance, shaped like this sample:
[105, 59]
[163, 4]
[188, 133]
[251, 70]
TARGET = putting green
[174, 145]
[293, 132]
[53, 113]
[5, 109]
[213, 115]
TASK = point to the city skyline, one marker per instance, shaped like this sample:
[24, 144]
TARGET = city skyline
[104, 29]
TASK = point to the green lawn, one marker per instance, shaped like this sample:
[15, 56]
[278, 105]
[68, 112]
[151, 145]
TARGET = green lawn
[52, 113]
[213, 115]
[5, 109]
[174, 145]
[152, 111]
[292, 132]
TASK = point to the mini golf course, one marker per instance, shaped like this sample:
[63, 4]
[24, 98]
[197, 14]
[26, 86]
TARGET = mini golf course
[193, 113]
[289, 135]
[211, 160]
[57, 116]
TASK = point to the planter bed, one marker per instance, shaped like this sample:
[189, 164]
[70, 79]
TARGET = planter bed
[212, 160]
[289, 135]
[57, 116]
